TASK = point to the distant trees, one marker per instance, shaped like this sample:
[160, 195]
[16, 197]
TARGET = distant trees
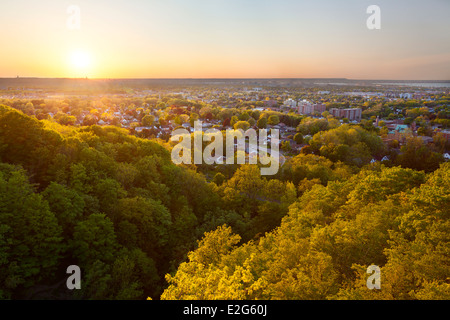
[244, 116]
[219, 178]
[262, 123]
[206, 113]
[28, 109]
[311, 126]
[349, 144]
[243, 125]
[415, 154]
[234, 120]
[256, 114]
[192, 118]
[310, 167]
[226, 122]
[286, 146]
[89, 120]
[298, 138]
[273, 120]
[148, 120]
[415, 112]
[65, 119]
[440, 142]
[161, 105]
[225, 113]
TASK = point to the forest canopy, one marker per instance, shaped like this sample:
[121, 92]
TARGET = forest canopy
[139, 226]
[392, 217]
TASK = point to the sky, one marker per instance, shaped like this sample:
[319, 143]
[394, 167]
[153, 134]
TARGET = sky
[225, 39]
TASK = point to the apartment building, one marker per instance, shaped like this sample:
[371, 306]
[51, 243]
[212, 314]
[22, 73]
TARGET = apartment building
[352, 114]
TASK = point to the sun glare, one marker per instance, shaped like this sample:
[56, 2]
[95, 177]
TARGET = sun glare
[80, 62]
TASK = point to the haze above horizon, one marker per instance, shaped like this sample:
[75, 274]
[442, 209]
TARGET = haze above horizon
[246, 39]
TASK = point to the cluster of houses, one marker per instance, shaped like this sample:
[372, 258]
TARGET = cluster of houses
[397, 131]
[262, 99]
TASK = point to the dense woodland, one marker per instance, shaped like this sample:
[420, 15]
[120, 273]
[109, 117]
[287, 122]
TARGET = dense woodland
[139, 226]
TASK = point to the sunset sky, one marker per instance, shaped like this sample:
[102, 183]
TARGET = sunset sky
[226, 39]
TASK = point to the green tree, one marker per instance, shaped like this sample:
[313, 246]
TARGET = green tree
[416, 155]
[286, 146]
[244, 125]
[148, 120]
[66, 204]
[219, 178]
[192, 118]
[273, 120]
[262, 123]
[151, 219]
[298, 138]
[244, 116]
[30, 237]
[233, 121]
[94, 239]
[65, 119]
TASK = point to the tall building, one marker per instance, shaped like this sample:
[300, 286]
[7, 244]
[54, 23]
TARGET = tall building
[352, 114]
[290, 103]
[306, 107]
[319, 108]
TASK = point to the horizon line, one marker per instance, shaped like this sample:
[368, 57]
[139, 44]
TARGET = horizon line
[218, 78]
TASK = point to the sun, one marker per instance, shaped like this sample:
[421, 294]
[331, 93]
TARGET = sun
[80, 62]
[80, 59]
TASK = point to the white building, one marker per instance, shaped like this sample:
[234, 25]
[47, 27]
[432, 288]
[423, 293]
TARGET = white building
[406, 95]
[290, 103]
